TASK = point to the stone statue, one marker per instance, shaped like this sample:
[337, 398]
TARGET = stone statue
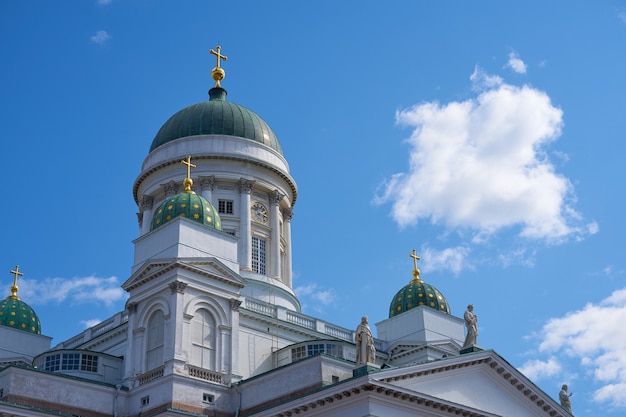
[472, 330]
[564, 398]
[365, 350]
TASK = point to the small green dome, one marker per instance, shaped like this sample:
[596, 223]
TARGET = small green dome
[19, 315]
[190, 205]
[217, 117]
[418, 293]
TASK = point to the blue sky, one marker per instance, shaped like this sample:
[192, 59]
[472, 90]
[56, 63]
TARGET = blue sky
[488, 136]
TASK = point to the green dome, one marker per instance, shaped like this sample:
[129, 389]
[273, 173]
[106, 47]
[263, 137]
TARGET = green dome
[217, 117]
[19, 315]
[418, 293]
[190, 205]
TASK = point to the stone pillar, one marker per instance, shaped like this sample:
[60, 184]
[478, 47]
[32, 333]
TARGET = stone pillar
[287, 274]
[275, 197]
[146, 212]
[207, 185]
[245, 243]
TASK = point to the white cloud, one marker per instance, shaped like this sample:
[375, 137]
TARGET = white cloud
[100, 37]
[325, 297]
[450, 259]
[536, 369]
[482, 164]
[516, 63]
[104, 2]
[90, 323]
[76, 290]
[622, 16]
[594, 336]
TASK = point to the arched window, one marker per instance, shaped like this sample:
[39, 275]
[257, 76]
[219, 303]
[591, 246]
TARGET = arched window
[203, 340]
[154, 351]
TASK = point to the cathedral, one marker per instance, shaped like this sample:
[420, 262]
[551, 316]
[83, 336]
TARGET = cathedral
[212, 325]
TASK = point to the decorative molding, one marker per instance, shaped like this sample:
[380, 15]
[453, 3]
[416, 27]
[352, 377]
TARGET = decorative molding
[245, 185]
[176, 161]
[178, 286]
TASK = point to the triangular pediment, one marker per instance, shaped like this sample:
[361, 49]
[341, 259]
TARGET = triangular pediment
[210, 268]
[483, 381]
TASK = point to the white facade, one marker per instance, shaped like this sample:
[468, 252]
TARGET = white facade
[212, 325]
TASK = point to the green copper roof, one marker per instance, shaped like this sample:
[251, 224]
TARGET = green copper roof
[19, 315]
[418, 293]
[217, 117]
[190, 205]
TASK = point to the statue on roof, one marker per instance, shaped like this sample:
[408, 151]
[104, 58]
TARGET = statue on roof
[365, 350]
[566, 403]
[472, 329]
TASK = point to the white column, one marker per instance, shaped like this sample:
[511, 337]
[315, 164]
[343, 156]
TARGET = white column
[245, 243]
[275, 197]
[287, 274]
[146, 211]
[206, 186]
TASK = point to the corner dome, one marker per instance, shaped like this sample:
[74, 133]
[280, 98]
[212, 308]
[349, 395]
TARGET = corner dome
[418, 293]
[217, 117]
[17, 314]
[190, 205]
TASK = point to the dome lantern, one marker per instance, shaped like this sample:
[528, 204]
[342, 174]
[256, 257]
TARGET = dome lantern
[217, 117]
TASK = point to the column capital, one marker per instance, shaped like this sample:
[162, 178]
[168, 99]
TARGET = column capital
[287, 213]
[245, 185]
[146, 202]
[207, 182]
[171, 188]
[275, 197]
[178, 286]
[131, 307]
[234, 304]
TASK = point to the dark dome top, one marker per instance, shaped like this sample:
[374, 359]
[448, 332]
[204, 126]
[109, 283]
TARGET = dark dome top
[217, 117]
[418, 293]
[19, 315]
[190, 205]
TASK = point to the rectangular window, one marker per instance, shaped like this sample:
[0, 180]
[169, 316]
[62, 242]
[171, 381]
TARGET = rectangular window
[89, 363]
[258, 255]
[145, 400]
[70, 362]
[225, 206]
[334, 350]
[315, 349]
[53, 363]
[207, 398]
[298, 353]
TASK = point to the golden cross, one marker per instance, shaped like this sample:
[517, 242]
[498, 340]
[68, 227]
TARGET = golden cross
[189, 165]
[16, 273]
[415, 258]
[218, 55]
